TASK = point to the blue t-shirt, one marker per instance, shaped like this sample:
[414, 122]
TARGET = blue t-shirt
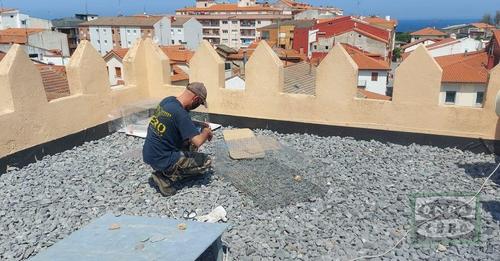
[168, 129]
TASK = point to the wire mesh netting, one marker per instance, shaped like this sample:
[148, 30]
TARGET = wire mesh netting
[278, 179]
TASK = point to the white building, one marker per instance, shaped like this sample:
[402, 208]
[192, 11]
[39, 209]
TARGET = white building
[373, 80]
[233, 24]
[107, 33]
[186, 31]
[464, 80]
[42, 45]
[12, 18]
[452, 46]
[235, 83]
[413, 45]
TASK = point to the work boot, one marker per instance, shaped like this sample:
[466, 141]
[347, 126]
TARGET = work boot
[164, 184]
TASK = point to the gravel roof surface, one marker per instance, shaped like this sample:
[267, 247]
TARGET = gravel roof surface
[366, 209]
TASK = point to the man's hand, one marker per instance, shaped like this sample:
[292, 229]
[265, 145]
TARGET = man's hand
[208, 132]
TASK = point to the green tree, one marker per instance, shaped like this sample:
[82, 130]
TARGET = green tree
[486, 19]
[403, 37]
[396, 54]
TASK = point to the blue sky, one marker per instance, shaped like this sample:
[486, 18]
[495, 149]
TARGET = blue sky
[401, 9]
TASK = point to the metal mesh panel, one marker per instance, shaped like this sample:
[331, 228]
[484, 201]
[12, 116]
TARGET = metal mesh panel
[276, 180]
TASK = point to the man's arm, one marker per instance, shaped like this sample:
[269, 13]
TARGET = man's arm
[198, 140]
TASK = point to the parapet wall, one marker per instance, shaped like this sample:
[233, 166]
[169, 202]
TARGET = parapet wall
[415, 106]
[27, 119]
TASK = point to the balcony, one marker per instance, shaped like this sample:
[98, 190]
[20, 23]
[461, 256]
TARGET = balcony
[211, 33]
[210, 23]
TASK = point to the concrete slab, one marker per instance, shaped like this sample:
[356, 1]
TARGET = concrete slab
[242, 144]
[138, 238]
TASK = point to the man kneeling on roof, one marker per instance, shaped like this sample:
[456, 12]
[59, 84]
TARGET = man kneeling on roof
[173, 139]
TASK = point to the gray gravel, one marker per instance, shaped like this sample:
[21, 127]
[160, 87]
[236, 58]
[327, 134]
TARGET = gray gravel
[365, 210]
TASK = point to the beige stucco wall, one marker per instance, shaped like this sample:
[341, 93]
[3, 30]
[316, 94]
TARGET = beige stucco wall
[414, 108]
[27, 119]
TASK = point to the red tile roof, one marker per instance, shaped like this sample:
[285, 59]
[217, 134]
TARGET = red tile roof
[228, 8]
[464, 68]
[379, 21]
[176, 53]
[364, 60]
[483, 26]
[419, 41]
[54, 81]
[345, 24]
[296, 5]
[283, 54]
[17, 35]
[428, 32]
[441, 43]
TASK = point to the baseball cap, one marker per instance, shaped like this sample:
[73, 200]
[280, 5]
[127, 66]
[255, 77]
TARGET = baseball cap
[199, 89]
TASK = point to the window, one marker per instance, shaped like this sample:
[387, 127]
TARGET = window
[450, 97]
[118, 71]
[235, 22]
[23, 22]
[135, 31]
[128, 31]
[98, 41]
[113, 31]
[258, 22]
[326, 47]
[179, 30]
[173, 41]
[172, 30]
[479, 98]
[104, 30]
[227, 66]
[97, 30]
[129, 42]
[180, 41]
[224, 31]
[315, 47]
[105, 41]
[374, 76]
[224, 22]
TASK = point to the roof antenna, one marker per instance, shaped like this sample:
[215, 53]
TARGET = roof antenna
[119, 7]
[144, 7]
[86, 7]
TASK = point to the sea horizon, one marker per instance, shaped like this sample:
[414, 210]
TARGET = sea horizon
[411, 25]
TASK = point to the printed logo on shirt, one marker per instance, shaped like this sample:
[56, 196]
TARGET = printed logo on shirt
[158, 119]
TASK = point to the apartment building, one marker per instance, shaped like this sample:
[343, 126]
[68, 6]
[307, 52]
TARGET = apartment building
[187, 31]
[233, 24]
[12, 18]
[70, 25]
[108, 33]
